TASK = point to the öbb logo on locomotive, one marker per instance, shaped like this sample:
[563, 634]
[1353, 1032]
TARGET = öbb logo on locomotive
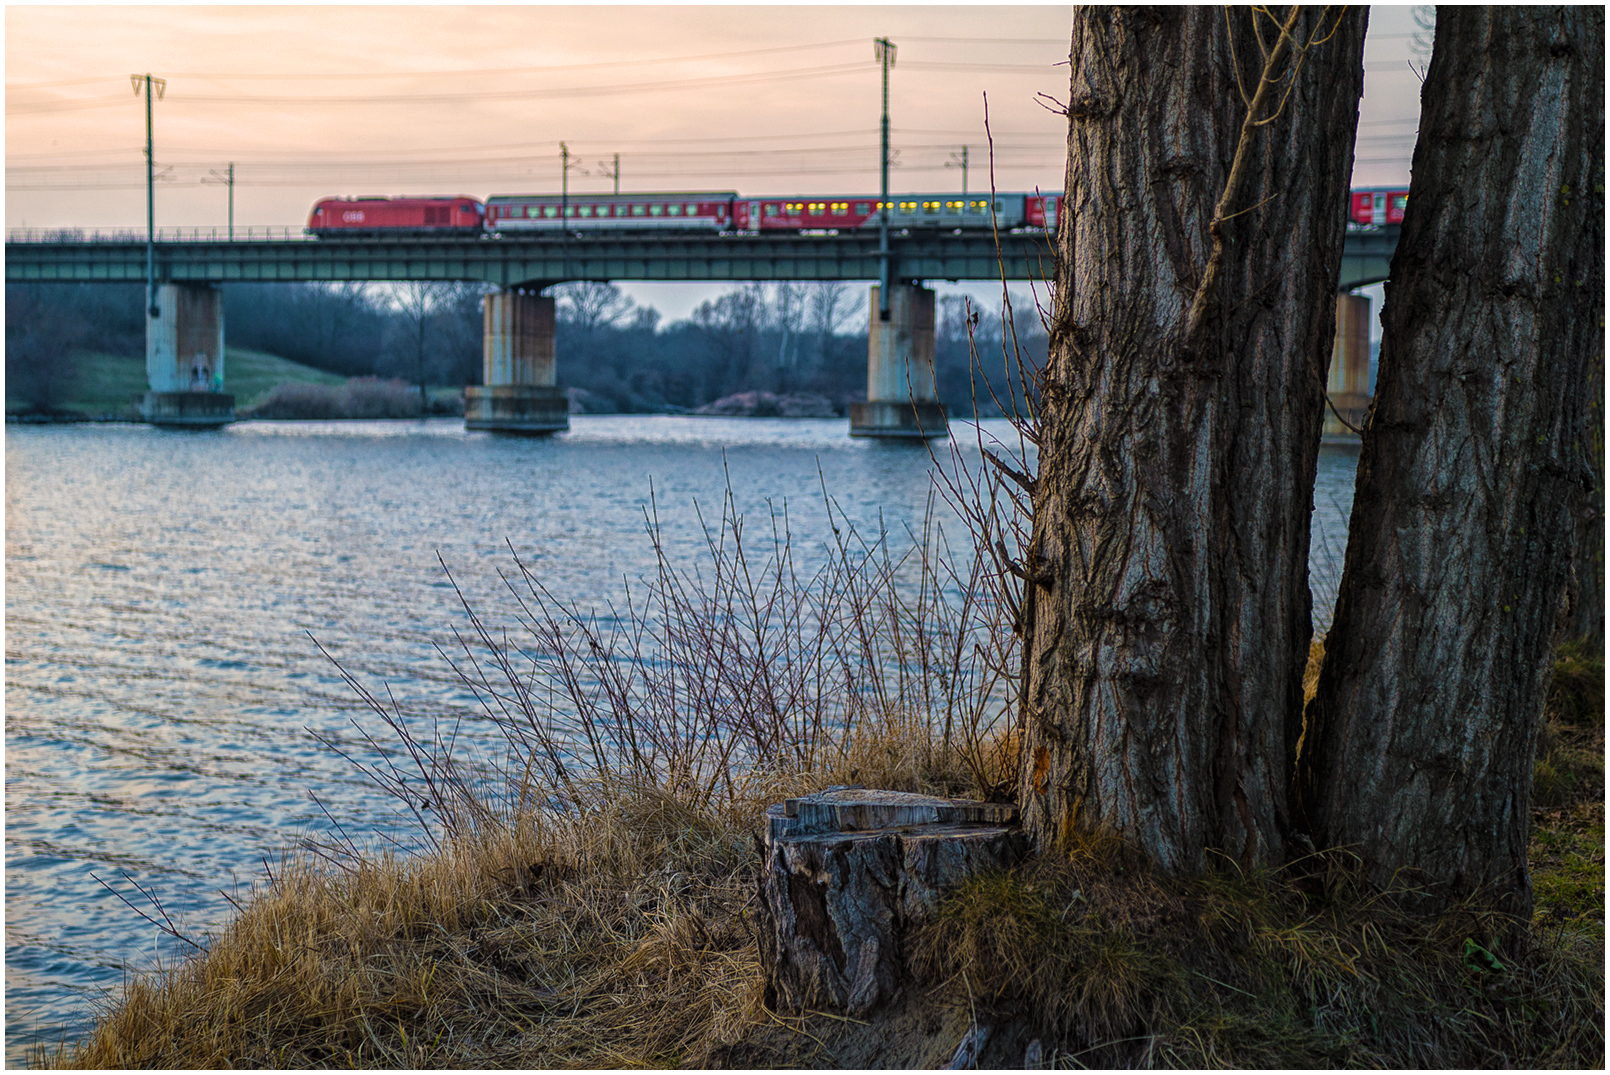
[725, 212]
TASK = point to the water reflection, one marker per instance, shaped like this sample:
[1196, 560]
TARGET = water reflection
[163, 590]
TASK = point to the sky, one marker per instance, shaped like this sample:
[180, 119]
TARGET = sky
[389, 99]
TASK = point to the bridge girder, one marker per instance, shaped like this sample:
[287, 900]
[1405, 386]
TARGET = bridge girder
[510, 262]
[516, 262]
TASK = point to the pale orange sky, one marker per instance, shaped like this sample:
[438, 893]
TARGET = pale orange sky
[388, 99]
[476, 100]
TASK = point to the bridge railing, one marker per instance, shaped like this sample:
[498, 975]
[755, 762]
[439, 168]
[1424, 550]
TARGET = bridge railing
[243, 233]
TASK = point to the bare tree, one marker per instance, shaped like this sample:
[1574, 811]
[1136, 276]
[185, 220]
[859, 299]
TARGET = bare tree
[461, 326]
[732, 323]
[41, 340]
[831, 310]
[590, 305]
[1418, 751]
[417, 301]
[1166, 613]
[787, 317]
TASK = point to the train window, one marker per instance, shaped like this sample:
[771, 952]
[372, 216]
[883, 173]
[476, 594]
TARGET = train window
[862, 209]
[1399, 201]
[585, 210]
[771, 210]
[673, 210]
[655, 210]
[637, 210]
[930, 207]
[953, 207]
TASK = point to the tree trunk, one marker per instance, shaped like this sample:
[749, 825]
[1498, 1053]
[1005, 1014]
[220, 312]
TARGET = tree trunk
[1419, 745]
[1584, 617]
[1167, 612]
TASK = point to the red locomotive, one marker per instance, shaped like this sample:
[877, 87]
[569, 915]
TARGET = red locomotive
[375, 216]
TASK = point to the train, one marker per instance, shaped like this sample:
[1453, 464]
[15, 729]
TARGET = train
[722, 212]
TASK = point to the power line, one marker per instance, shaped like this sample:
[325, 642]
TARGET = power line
[537, 68]
[583, 91]
[525, 94]
[484, 95]
[719, 154]
[1059, 42]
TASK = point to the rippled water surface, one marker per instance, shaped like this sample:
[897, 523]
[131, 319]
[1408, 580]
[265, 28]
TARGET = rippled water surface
[163, 590]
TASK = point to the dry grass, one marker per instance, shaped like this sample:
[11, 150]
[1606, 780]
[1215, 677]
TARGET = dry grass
[1112, 966]
[358, 397]
[584, 901]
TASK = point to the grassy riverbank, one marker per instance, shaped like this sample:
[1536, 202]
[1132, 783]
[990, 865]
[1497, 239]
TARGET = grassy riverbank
[108, 383]
[587, 902]
[264, 385]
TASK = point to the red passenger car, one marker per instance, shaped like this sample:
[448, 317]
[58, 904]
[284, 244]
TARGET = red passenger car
[369, 216]
[1041, 211]
[1377, 207]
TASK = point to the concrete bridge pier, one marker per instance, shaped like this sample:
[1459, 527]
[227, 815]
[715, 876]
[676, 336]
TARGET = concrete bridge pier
[901, 401]
[184, 358]
[518, 393]
[1348, 384]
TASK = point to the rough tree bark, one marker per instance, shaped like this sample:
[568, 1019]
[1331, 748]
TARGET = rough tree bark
[1419, 746]
[1167, 606]
[1584, 617]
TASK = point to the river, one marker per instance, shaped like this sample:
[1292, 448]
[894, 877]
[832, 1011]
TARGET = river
[163, 590]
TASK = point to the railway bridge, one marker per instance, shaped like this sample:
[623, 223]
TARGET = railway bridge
[184, 336]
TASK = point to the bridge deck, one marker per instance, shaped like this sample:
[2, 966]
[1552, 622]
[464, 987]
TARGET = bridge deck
[508, 262]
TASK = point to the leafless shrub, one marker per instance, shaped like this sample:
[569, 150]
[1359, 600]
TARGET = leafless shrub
[712, 685]
[359, 397]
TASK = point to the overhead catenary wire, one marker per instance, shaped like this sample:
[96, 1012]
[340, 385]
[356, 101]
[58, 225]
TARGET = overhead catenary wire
[601, 143]
[539, 67]
[505, 94]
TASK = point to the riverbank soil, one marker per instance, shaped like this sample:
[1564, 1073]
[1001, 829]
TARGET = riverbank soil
[627, 939]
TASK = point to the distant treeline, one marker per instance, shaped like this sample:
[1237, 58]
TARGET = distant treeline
[781, 337]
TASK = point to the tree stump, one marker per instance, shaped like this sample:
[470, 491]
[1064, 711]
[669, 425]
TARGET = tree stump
[849, 872]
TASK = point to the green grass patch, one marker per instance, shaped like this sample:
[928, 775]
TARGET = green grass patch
[1567, 860]
[110, 384]
[249, 374]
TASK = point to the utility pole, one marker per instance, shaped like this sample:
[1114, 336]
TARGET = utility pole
[564, 200]
[227, 177]
[564, 183]
[883, 49]
[161, 87]
[959, 160]
[614, 173]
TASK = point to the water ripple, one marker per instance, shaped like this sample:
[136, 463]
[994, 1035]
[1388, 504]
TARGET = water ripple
[162, 686]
